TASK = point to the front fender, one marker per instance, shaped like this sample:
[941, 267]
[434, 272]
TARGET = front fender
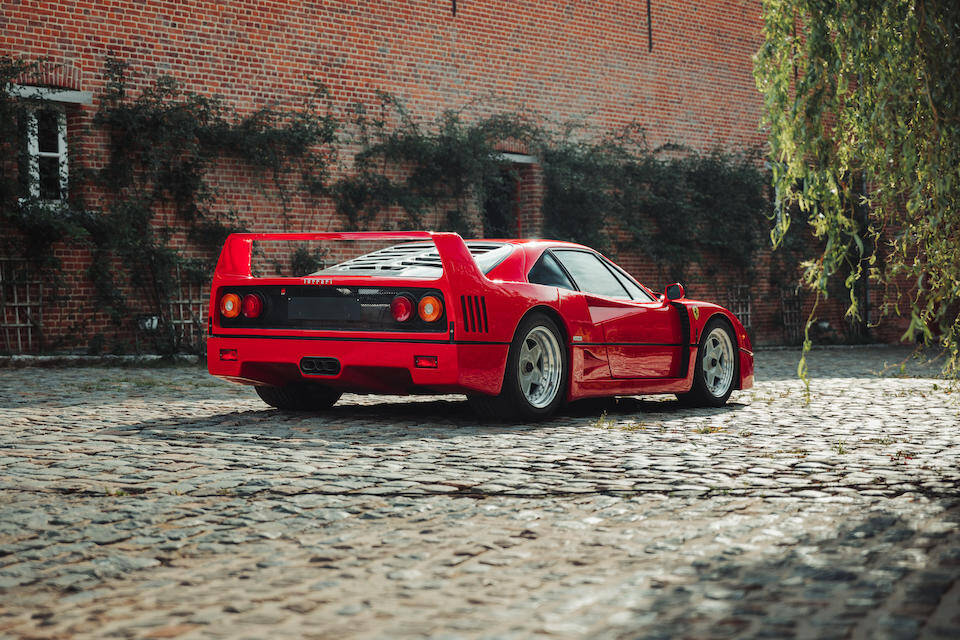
[701, 313]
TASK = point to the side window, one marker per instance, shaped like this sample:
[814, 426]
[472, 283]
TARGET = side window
[635, 291]
[591, 275]
[548, 272]
[47, 154]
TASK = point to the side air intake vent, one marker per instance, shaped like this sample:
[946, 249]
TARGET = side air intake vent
[474, 314]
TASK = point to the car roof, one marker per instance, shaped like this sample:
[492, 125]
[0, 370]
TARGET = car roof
[534, 241]
[533, 247]
[515, 267]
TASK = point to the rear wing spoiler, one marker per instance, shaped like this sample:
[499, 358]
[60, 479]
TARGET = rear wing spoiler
[235, 258]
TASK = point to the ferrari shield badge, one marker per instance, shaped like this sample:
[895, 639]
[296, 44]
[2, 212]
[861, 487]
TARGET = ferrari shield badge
[696, 313]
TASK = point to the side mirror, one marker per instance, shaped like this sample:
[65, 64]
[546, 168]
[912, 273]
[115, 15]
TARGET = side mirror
[674, 291]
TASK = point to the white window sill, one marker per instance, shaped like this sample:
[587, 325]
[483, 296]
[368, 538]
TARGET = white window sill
[54, 95]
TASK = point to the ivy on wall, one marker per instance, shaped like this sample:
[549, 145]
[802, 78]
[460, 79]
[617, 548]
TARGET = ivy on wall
[436, 173]
[671, 205]
[162, 145]
[674, 206]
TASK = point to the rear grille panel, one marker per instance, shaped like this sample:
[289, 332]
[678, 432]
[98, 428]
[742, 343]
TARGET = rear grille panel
[474, 309]
[333, 308]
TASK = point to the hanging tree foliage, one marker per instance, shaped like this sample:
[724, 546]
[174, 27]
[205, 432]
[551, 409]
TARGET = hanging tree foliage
[863, 105]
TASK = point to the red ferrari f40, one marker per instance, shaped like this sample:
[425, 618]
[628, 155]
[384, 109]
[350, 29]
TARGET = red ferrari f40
[519, 326]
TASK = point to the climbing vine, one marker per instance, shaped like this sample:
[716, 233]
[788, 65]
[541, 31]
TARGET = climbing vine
[162, 146]
[436, 173]
[164, 143]
[676, 207]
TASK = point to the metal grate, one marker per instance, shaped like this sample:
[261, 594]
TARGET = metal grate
[791, 314]
[185, 311]
[21, 306]
[740, 302]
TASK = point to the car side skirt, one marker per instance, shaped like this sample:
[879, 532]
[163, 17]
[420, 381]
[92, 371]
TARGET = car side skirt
[585, 387]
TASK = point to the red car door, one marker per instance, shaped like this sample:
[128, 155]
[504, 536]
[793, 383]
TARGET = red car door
[643, 339]
[643, 336]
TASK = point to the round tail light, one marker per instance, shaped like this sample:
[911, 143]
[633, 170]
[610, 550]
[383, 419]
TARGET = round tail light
[430, 308]
[230, 305]
[401, 308]
[252, 305]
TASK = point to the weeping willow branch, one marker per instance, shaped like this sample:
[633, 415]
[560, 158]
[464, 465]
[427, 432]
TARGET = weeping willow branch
[865, 93]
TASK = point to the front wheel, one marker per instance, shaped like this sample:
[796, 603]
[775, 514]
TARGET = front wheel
[716, 368]
[299, 396]
[536, 373]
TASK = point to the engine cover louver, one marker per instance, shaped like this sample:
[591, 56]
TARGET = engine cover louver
[474, 310]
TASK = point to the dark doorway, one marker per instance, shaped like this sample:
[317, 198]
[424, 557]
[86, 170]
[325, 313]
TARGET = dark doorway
[500, 204]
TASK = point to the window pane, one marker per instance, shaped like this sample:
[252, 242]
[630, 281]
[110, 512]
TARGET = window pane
[590, 274]
[632, 288]
[49, 178]
[48, 131]
[548, 272]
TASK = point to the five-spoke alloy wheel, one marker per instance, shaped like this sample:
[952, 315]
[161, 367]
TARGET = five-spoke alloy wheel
[716, 366]
[540, 367]
[536, 377]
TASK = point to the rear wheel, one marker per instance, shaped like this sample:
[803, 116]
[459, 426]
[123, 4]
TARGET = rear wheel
[716, 367]
[299, 396]
[536, 373]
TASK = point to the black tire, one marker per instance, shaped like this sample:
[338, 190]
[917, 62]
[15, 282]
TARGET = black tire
[710, 388]
[514, 403]
[299, 396]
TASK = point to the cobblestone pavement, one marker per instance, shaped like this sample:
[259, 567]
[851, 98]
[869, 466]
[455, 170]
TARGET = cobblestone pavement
[163, 503]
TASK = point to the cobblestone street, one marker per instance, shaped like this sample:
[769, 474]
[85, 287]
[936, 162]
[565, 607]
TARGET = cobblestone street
[160, 502]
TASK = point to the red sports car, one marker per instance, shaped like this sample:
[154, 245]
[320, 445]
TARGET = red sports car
[519, 326]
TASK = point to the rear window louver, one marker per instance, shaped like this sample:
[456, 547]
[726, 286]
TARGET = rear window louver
[474, 310]
[404, 256]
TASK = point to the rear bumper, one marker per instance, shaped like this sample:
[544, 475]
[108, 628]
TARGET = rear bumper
[373, 366]
[746, 369]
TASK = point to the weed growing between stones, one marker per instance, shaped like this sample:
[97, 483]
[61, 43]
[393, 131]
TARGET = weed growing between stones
[705, 429]
[602, 422]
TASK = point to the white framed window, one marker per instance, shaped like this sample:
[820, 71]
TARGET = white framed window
[47, 164]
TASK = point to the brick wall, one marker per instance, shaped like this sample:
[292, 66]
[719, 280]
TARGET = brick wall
[689, 82]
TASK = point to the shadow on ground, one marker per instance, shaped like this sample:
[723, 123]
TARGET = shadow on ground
[875, 577]
[64, 387]
[399, 420]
